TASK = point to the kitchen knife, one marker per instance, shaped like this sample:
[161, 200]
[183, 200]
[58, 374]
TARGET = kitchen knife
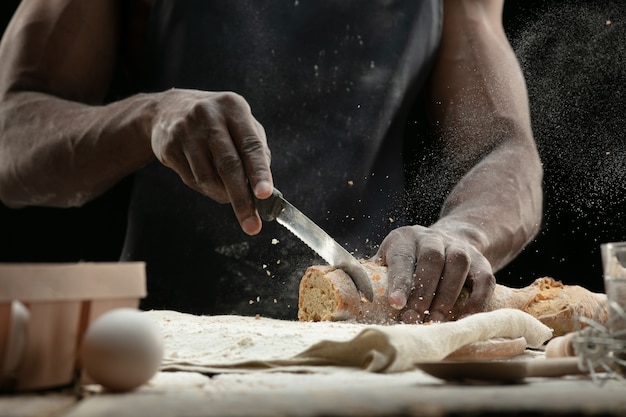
[279, 209]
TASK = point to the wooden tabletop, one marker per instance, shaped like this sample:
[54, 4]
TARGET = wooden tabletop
[307, 391]
[334, 394]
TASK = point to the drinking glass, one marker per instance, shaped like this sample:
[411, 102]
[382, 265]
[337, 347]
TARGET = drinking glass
[614, 267]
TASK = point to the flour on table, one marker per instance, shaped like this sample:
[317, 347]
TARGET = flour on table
[226, 339]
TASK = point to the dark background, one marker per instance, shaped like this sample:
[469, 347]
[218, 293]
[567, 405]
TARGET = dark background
[573, 62]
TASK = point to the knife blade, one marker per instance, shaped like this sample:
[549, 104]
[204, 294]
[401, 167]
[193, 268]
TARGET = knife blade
[279, 209]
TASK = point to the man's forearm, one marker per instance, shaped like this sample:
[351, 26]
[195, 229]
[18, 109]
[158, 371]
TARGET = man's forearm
[481, 111]
[497, 206]
[55, 152]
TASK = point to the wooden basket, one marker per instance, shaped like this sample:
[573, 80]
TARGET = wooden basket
[46, 308]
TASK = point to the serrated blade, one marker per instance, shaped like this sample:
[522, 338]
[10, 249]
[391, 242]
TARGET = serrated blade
[276, 207]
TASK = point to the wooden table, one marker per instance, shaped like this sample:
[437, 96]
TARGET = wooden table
[338, 394]
[321, 391]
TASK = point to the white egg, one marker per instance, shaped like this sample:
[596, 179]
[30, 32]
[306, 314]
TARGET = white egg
[122, 349]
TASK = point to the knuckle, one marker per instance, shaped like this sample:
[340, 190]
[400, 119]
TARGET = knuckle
[431, 254]
[190, 182]
[268, 154]
[252, 145]
[457, 255]
[178, 128]
[165, 129]
[215, 132]
[200, 113]
[206, 119]
[220, 196]
[230, 99]
[401, 253]
[204, 180]
[397, 240]
[488, 280]
[401, 264]
[228, 165]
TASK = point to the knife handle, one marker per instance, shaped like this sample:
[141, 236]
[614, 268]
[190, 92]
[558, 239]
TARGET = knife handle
[270, 207]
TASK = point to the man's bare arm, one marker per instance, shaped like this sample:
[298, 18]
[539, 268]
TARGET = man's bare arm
[61, 146]
[479, 107]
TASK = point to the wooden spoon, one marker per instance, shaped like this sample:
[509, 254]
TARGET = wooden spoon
[501, 371]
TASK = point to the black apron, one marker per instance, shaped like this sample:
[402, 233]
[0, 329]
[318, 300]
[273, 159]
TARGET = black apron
[333, 83]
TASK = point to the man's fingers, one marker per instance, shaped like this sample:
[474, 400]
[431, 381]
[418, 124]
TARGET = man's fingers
[401, 286]
[455, 271]
[483, 284]
[254, 156]
[230, 170]
[428, 271]
[400, 267]
[204, 176]
[248, 136]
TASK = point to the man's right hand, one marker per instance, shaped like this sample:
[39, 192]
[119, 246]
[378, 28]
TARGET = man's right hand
[77, 148]
[217, 147]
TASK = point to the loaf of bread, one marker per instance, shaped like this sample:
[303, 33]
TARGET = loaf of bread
[327, 293]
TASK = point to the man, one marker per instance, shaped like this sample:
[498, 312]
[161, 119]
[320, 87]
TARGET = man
[336, 89]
